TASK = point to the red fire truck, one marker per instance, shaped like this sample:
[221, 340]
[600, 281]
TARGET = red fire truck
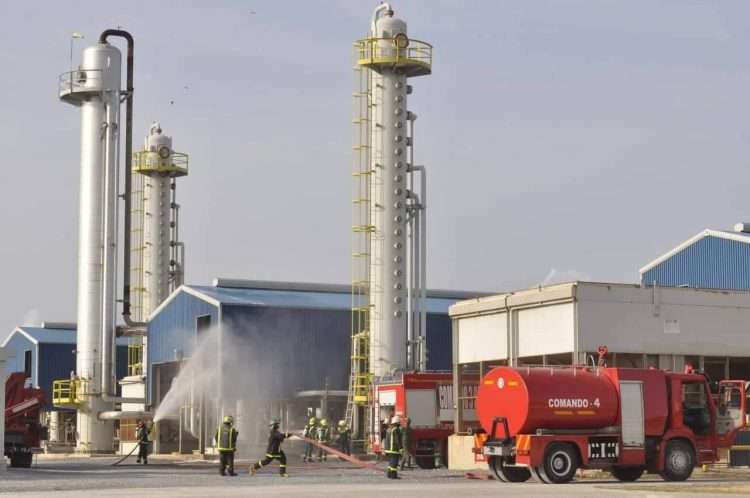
[426, 398]
[23, 431]
[547, 422]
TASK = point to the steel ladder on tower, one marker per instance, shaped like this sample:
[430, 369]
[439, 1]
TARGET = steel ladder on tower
[359, 398]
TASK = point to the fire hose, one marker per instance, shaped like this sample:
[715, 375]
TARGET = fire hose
[353, 460]
[118, 462]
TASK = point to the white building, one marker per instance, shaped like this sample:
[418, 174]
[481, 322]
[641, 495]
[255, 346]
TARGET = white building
[562, 324]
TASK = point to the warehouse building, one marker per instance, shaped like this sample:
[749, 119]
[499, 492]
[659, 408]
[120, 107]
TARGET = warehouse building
[661, 327]
[712, 259]
[46, 354]
[293, 341]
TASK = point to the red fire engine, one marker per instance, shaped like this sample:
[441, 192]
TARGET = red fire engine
[548, 422]
[426, 398]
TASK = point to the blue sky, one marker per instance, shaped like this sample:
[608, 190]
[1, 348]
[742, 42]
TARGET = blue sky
[563, 138]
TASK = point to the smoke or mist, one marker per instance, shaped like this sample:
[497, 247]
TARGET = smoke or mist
[32, 318]
[556, 276]
[253, 367]
[223, 371]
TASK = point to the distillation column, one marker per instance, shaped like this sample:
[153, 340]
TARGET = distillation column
[95, 88]
[393, 59]
[157, 260]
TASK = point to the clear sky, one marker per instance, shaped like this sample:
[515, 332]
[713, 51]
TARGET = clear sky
[562, 138]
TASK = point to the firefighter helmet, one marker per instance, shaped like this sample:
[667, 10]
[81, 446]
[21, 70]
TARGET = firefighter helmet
[313, 421]
[273, 423]
[342, 423]
[228, 419]
[324, 422]
[396, 420]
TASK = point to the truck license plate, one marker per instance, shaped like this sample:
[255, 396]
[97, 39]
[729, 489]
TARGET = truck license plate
[603, 448]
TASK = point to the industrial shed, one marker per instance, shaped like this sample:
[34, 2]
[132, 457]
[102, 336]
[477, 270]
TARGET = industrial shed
[661, 327]
[712, 259]
[299, 333]
[47, 353]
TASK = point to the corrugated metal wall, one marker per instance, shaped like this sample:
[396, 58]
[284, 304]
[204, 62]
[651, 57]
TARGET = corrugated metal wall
[174, 328]
[439, 344]
[57, 361]
[293, 349]
[710, 263]
[289, 349]
[16, 348]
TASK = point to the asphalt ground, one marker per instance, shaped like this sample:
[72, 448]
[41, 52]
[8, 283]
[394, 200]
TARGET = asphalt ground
[168, 477]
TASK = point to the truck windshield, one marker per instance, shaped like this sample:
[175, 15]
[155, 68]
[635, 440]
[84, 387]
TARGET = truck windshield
[695, 412]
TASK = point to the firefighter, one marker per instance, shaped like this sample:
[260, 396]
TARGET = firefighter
[226, 444]
[310, 432]
[141, 436]
[405, 442]
[273, 450]
[323, 436]
[383, 429]
[393, 448]
[344, 434]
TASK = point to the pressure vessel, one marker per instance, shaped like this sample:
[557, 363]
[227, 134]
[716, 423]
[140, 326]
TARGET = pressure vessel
[547, 398]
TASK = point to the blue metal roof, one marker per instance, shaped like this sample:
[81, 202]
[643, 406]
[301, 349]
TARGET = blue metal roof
[296, 299]
[51, 336]
[42, 335]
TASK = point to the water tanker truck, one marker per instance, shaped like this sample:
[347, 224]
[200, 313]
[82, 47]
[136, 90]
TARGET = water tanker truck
[548, 422]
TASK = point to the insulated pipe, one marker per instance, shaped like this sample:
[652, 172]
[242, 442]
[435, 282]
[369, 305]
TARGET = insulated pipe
[423, 265]
[383, 7]
[109, 257]
[128, 173]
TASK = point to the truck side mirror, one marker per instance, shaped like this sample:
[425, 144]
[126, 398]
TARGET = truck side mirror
[731, 407]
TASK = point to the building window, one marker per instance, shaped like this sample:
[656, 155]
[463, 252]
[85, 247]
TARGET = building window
[27, 363]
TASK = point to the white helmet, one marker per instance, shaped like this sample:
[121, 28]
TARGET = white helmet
[396, 420]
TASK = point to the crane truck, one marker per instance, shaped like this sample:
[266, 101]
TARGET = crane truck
[547, 422]
[23, 430]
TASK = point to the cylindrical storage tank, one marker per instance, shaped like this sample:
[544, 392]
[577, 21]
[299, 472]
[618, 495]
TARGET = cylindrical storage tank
[546, 398]
[388, 195]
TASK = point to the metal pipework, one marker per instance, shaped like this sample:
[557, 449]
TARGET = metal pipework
[128, 172]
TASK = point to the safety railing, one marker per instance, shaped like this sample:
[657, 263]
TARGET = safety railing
[68, 393]
[415, 57]
[146, 161]
[80, 80]
[135, 359]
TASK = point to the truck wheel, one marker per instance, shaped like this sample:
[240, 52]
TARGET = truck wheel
[509, 473]
[560, 463]
[679, 461]
[538, 474]
[627, 474]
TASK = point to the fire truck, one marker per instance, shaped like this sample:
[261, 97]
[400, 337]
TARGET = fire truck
[23, 430]
[547, 422]
[426, 398]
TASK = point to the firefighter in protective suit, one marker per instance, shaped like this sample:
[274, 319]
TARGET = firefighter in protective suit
[226, 444]
[310, 432]
[393, 447]
[141, 435]
[323, 436]
[344, 434]
[273, 450]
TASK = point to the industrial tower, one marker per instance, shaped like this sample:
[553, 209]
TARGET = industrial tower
[157, 254]
[388, 293]
[153, 256]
